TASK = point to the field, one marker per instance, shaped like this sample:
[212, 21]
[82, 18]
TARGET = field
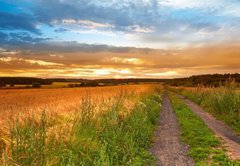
[78, 126]
[60, 100]
[119, 125]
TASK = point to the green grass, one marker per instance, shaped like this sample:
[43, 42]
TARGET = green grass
[204, 147]
[223, 103]
[109, 139]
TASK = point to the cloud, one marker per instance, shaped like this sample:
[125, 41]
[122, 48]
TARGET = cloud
[214, 7]
[137, 28]
[29, 61]
[8, 52]
[61, 30]
[183, 4]
[54, 55]
[94, 13]
[9, 21]
[19, 28]
[70, 47]
[83, 27]
[168, 73]
[85, 23]
[134, 61]
[20, 40]
[3, 36]
[155, 63]
[158, 23]
[26, 38]
[74, 37]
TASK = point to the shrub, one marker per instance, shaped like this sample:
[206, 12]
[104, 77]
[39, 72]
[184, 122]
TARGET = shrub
[36, 85]
[2, 84]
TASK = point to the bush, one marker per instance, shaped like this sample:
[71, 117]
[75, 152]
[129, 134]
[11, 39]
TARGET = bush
[36, 85]
[2, 84]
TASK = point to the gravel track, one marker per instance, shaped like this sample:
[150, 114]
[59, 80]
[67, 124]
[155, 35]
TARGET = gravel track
[167, 147]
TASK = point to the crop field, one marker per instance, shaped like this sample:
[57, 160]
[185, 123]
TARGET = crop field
[119, 83]
[141, 124]
[78, 126]
[61, 100]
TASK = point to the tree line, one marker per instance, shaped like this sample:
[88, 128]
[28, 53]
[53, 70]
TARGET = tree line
[213, 80]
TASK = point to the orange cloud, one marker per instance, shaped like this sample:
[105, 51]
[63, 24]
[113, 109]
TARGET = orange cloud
[151, 63]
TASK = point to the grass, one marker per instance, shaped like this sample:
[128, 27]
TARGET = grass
[110, 138]
[223, 103]
[204, 148]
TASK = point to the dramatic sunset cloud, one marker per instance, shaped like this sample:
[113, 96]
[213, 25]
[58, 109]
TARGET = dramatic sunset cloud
[119, 38]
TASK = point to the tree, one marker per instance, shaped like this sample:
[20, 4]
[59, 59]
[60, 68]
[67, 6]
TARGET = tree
[36, 85]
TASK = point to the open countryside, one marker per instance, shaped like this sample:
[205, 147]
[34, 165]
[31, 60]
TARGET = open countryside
[119, 83]
[139, 123]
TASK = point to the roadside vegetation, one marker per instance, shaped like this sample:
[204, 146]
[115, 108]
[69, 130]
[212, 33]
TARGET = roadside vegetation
[204, 147]
[223, 103]
[116, 135]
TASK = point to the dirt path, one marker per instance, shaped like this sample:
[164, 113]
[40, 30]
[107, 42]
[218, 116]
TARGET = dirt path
[167, 147]
[230, 140]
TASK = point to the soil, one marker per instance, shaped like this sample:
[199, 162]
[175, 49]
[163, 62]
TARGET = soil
[230, 140]
[167, 148]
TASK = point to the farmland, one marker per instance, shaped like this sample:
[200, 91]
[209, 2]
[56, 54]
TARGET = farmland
[60, 100]
[119, 83]
[104, 125]
[119, 125]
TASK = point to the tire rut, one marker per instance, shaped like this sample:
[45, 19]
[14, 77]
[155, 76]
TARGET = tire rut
[167, 147]
[230, 140]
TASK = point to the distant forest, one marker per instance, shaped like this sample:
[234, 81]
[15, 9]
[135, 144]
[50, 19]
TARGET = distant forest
[214, 80]
[205, 80]
[23, 81]
[86, 82]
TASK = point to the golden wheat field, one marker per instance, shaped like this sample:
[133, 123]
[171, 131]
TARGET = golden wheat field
[44, 126]
[64, 100]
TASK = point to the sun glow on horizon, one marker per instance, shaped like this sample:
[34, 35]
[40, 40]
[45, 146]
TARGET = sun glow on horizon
[122, 39]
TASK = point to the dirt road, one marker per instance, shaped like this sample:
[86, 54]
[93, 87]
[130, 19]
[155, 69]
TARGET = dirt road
[167, 147]
[230, 140]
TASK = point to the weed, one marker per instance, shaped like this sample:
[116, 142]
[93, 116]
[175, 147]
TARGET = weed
[223, 103]
[204, 146]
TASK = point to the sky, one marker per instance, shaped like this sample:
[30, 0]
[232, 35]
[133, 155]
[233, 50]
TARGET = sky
[119, 38]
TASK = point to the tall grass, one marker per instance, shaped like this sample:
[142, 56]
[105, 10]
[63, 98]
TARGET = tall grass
[109, 138]
[223, 103]
[204, 147]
